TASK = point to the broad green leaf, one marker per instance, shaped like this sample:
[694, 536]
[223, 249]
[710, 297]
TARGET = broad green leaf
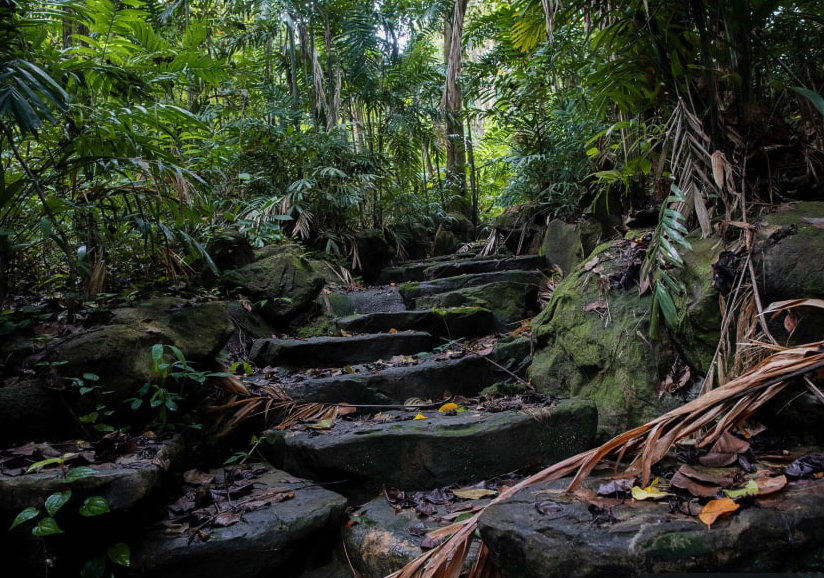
[120, 554]
[79, 473]
[46, 527]
[157, 354]
[24, 516]
[57, 501]
[94, 506]
[93, 568]
[43, 463]
[813, 97]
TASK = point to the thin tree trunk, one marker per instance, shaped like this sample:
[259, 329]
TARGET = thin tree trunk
[452, 111]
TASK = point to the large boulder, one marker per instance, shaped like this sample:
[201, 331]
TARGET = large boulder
[789, 261]
[592, 336]
[280, 281]
[118, 353]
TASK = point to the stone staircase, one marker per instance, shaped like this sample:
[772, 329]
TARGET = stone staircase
[436, 331]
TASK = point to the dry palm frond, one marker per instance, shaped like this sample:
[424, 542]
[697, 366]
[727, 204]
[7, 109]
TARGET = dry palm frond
[491, 245]
[713, 413]
[270, 401]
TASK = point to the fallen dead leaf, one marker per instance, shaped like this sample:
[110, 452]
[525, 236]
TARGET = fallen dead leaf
[770, 485]
[225, 519]
[196, 477]
[448, 407]
[715, 509]
[473, 493]
[420, 416]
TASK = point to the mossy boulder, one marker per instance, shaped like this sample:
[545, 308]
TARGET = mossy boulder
[281, 280]
[591, 343]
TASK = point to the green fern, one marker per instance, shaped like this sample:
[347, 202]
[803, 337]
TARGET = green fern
[662, 262]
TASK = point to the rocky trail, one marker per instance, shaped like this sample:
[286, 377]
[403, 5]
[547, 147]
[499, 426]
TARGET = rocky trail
[408, 410]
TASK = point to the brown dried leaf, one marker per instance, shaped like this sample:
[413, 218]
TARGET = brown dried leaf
[694, 487]
[715, 509]
[616, 486]
[196, 477]
[768, 485]
[225, 519]
[790, 321]
[595, 305]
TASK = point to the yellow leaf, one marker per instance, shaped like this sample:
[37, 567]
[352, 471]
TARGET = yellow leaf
[322, 424]
[421, 416]
[473, 493]
[348, 369]
[716, 508]
[751, 489]
[648, 493]
[448, 407]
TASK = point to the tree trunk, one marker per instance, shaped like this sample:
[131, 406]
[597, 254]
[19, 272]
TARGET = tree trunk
[452, 106]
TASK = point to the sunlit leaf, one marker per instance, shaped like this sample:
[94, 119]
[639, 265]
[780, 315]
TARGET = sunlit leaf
[420, 416]
[648, 493]
[750, 489]
[715, 509]
[322, 424]
[448, 407]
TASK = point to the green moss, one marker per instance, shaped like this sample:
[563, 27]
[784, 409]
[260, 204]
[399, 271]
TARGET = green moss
[675, 546]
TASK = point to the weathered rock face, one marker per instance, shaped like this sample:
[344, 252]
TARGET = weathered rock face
[589, 346]
[373, 252]
[789, 261]
[439, 450]
[784, 534]
[284, 521]
[127, 484]
[280, 278]
[119, 354]
[562, 245]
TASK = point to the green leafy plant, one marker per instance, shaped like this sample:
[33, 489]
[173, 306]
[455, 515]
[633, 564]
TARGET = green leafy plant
[157, 394]
[46, 524]
[662, 258]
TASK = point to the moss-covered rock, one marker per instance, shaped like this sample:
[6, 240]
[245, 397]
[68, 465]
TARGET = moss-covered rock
[591, 343]
[281, 280]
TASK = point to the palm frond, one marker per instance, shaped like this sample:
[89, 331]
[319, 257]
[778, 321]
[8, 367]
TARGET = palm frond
[707, 417]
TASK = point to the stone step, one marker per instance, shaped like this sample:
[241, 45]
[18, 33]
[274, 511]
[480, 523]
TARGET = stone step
[272, 530]
[509, 302]
[636, 538]
[413, 270]
[343, 303]
[410, 292]
[437, 451]
[432, 378]
[317, 352]
[472, 266]
[455, 323]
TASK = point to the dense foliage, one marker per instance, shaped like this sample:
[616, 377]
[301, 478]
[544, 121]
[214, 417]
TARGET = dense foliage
[133, 132]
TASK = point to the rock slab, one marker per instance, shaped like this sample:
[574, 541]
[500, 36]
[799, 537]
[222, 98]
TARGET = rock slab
[784, 534]
[275, 540]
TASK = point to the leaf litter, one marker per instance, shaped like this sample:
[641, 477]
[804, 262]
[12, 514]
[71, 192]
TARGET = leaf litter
[219, 498]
